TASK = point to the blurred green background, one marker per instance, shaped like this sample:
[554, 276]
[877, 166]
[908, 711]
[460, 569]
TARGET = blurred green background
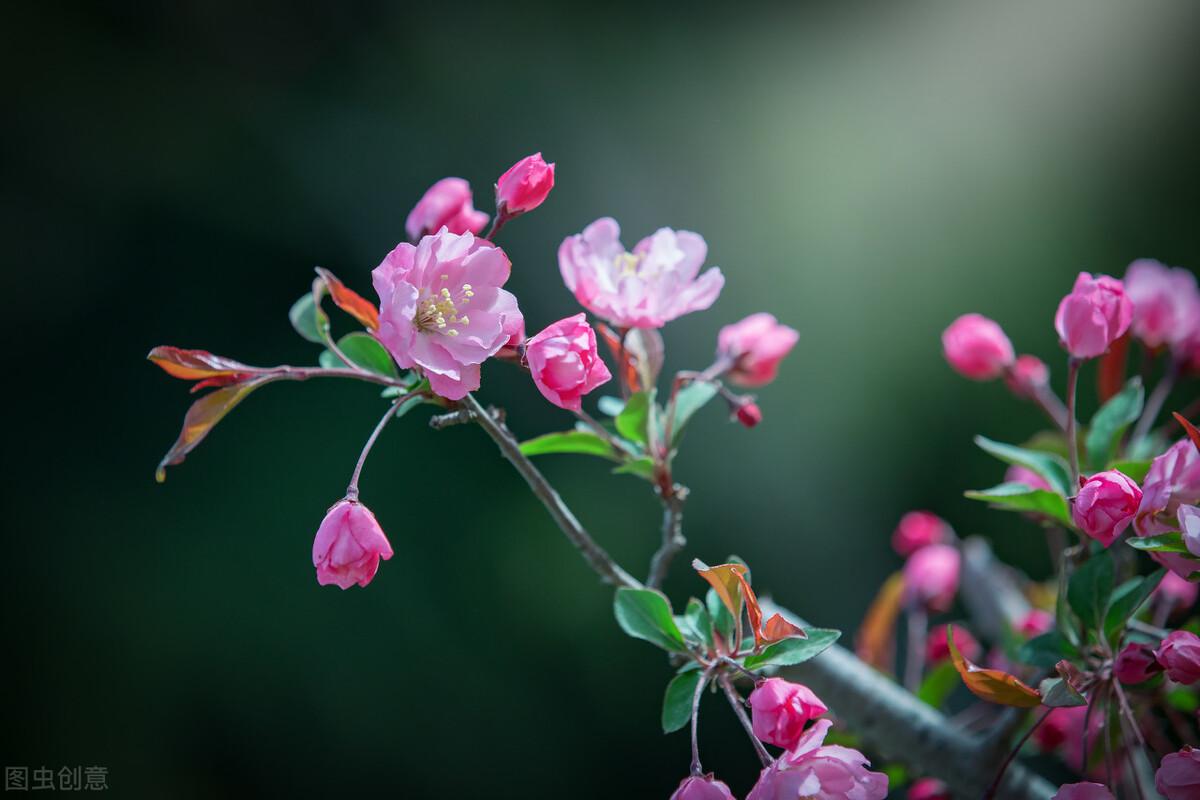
[866, 172]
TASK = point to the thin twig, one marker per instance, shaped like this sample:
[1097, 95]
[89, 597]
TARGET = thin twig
[704, 679]
[1154, 403]
[991, 790]
[352, 489]
[735, 666]
[619, 447]
[735, 702]
[672, 536]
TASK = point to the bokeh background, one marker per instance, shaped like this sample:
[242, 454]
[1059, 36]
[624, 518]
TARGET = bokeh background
[866, 171]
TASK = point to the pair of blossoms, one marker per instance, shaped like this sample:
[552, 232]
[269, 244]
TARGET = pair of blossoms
[809, 768]
[443, 311]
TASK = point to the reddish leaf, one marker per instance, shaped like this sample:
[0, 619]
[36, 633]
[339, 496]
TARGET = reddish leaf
[202, 416]
[193, 365]
[1110, 377]
[1192, 433]
[777, 629]
[992, 685]
[219, 380]
[350, 301]
[876, 636]
[727, 581]
[625, 367]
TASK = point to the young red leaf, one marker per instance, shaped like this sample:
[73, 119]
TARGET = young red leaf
[193, 365]
[875, 641]
[1192, 433]
[992, 685]
[350, 301]
[200, 419]
[777, 629]
[727, 581]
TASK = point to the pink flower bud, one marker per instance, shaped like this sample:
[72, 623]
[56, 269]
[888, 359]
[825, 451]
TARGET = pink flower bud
[1082, 791]
[1166, 303]
[348, 545]
[1028, 376]
[749, 414]
[1105, 505]
[1017, 474]
[564, 363]
[1094, 315]
[931, 576]
[1178, 775]
[702, 787]
[1136, 663]
[448, 202]
[1179, 655]
[937, 649]
[929, 789]
[977, 348]
[756, 345]
[781, 709]
[1178, 593]
[917, 529]
[1035, 623]
[524, 186]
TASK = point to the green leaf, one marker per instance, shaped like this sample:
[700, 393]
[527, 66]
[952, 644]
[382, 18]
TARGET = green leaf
[1090, 590]
[567, 442]
[1134, 469]
[721, 618]
[1057, 693]
[202, 416]
[1049, 466]
[612, 406]
[1170, 542]
[1183, 699]
[1107, 425]
[366, 351]
[794, 651]
[688, 401]
[699, 622]
[677, 701]
[1065, 621]
[1126, 600]
[633, 420]
[309, 321]
[938, 684]
[642, 467]
[1020, 497]
[1046, 650]
[646, 614]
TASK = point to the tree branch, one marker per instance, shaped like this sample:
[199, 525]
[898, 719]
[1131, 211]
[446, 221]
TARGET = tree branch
[672, 536]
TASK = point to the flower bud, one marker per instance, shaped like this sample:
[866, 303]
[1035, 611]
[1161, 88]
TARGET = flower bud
[1176, 592]
[348, 545]
[977, 348]
[917, 529]
[524, 186]
[1082, 791]
[702, 787]
[756, 345]
[564, 362]
[931, 577]
[1136, 663]
[929, 789]
[1028, 376]
[1035, 622]
[781, 709]
[1105, 505]
[1179, 655]
[448, 202]
[1094, 315]
[937, 649]
[748, 413]
[1178, 775]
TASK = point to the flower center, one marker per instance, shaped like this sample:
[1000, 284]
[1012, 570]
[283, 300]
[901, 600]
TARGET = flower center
[627, 264]
[437, 311]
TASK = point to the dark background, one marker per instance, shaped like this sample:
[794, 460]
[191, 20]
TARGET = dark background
[867, 172]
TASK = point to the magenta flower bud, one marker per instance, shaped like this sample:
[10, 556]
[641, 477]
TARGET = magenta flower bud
[447, 203]
[1027, 377]
[1166, 303]
[1178, 775]
[1082, 791]
[812, 769]
[348, 545]
[524, 186]
[702, 787]
[917, 529]
[748, 414]
[564, 362]
[929, 789]
[937, 648]
[1018, 474]
[1179, 655]
[931, 577]
[756, 345]
[977, 348]
[781, 709]
[1094, 315]
[1105, 505]
[1178, 593]
[1136, 663]
[1035, 623]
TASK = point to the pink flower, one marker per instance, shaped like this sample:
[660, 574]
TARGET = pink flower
[524, 186]
[1189, 526]
[1105, 505]
[702, 787]
[1179, 655]
[917, 529]
[820, 773]
[781, 709]
[1166, 303]
[977, 348]
[1064, 727]
[1027, 377]
[445, 204]
[1018, 474]
[564, 363]
[1035, 623]
[748, 414]
[348, 545]
[1178, 776]
[929, 789]
[937, 648]
[1094, 315]
[931, 576]
[1176, 592]
[647, 288]
[441, 308]
[1135, 663]
[1173, 481]
[756, 345]
[1082, 791]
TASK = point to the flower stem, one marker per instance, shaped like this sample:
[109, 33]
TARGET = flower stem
[914, 661]
[352, 489]
[991, 790]
[672, 536]
[735, 702]
[704, 679]
[1155, 402]
[1072, 438]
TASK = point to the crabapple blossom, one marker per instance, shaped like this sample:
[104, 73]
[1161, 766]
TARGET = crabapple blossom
[524, 186]
[1179, 655]
[1105, 505]
[564, 362]
[702, 787]
[1176, 592]
[1095, 314]
[1027, 376]
[977, 348]
[828, 772]
[780, 710]
[1082, 791]
[1166, 303]
[931, 576]
[448, 204]
[917, 529]
[755, 345]
[1178, 775]
[1136, 663]
[349, 545]
[928, 789]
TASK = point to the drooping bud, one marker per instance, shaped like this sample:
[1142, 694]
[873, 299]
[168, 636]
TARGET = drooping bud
[349, 545]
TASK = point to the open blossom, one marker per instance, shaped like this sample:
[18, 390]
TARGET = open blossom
[817, 772]
[1105, 505]
[1082, 791]
[1136, 663]
[1094, 315]
[929, 789]
[564, 363]
[977, 348]
[1179, 655]
[1028, 376]
[1178, 776]
[780, 710]
[1166, 303]
[446, 204]
[931, 576]
[1173, 481]
[441, 308]
[349, 545]
[524, 186]
[937, 648]
[702, 787]
[756, 345]
[917, 529]
[647, 288]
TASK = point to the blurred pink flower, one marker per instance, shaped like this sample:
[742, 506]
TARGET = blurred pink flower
[1063, 728]
[1166, 303]
[1178, 775]
[931, 576]
[1105, 505]
[1094, 315]
[1189, 526]
[647, 288]
[1179, 655]
[929, 789]
[348, 545]
[1036, 622]
[524, 186]
[756, 345]
[1136, 663]
[977, 348]
[1177, 592]
[811, 771]
[1082, 791]
[1173, 481]
[1019, 474]
[564, 363]
[1027, 376]
[917, 529]
[441, 308]
[780, 710]
[447, 203]
[702, 787]
[937, 647]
